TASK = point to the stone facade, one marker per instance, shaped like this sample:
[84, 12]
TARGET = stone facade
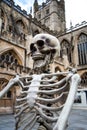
[17, 29]
[52, 14]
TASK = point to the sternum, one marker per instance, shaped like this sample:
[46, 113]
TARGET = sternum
[33, 90]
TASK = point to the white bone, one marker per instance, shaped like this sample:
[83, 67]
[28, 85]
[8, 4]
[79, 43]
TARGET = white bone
[50, 80]
[22, 105]
[9, 85]
[33, 90]
[24, 92]
[22, 85]
[21, 99]
[50, 108]
[58, 83]
[53, 100]
[22, 109]
[61, 123]
[53, 91]
[55, 74]
[45, 117]
[48, 126]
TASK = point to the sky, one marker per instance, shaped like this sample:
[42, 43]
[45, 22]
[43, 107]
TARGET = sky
[75, 10]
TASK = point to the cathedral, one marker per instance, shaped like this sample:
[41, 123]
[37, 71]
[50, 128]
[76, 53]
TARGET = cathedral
[17, 28]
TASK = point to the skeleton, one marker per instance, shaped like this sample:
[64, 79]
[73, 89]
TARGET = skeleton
[41, 95]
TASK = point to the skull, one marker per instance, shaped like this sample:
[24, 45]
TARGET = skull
[44, 48]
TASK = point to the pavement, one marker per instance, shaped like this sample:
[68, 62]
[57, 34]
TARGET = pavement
[77, 121]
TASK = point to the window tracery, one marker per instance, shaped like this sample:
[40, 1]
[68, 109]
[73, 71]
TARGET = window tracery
[8, 58]
[2, 21]
[65, 49]
[82, 49]
[21, 29]
[20, 26]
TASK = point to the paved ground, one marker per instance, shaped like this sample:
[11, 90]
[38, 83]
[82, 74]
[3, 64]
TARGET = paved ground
[77, 121]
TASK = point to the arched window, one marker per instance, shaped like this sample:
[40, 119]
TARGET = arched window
[2, 16]
[21, 29]
[9, 94]
[10, 58]
[65, 49]
[82, 49]
[20, 25]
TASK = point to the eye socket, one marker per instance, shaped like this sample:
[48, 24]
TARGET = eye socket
[47, 40]
[32, 47]
[40, 43]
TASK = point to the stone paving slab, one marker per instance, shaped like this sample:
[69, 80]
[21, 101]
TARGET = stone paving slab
[77, 121]
[7, 122]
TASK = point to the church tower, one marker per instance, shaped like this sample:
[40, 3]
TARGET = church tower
[35, 7]
[52, 14]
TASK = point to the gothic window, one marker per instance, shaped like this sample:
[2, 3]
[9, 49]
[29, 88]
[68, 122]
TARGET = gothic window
[47, 11]
[84, 80]
[2, 15]
[9, 58]
[20, 26]
[9, 94]
[3, 19]
[65, 49]
[47, 22]
[10, 29]
[21, 30]
[39, 16]
[82, 49]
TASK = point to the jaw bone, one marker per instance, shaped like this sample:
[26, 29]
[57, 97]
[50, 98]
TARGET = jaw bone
[42, 62]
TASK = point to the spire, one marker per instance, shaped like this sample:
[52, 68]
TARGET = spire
[47, 1]
[36, 6]
[12, 2]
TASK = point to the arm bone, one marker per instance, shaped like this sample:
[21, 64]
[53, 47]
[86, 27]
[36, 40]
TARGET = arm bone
[61, 123]
[9, 85]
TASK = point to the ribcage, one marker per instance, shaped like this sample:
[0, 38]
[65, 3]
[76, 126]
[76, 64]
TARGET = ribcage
[40, 101]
